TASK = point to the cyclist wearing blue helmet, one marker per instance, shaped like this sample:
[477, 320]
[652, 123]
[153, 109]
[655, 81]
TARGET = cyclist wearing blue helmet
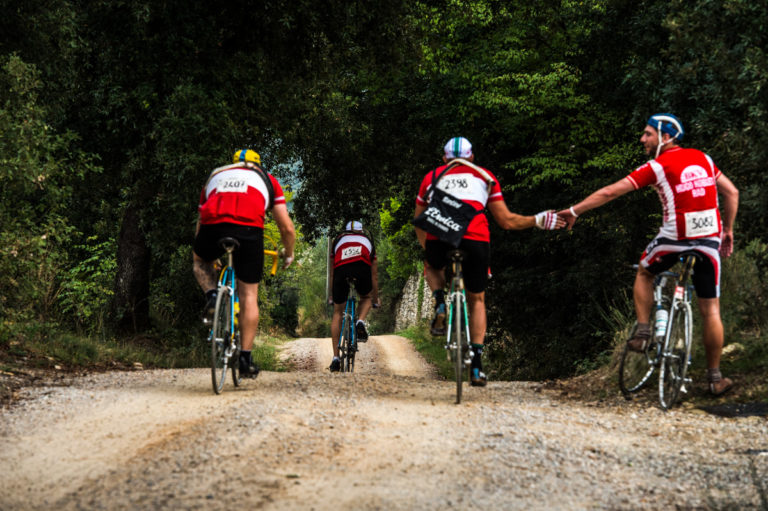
[688, 182]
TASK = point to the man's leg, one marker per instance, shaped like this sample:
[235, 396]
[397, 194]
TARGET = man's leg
[713, 340]
[477, 318]
[477, 327]
[338, 312]
[206, 278]
[436, 281]
[249, 324]
[643, 298]
[363, 307]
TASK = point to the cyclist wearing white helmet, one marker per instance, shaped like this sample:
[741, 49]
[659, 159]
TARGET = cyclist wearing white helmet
[233, 204]
[352, 254]
[688, 183]
[472, 189]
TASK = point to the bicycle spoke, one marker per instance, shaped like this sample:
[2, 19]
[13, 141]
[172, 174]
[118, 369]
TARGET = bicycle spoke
[635, 369]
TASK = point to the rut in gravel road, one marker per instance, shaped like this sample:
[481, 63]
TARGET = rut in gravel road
[388, 436]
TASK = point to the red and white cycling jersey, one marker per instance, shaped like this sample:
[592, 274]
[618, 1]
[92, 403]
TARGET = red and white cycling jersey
[685, 180]
[237, 195]
[468, 185]
[350, 248]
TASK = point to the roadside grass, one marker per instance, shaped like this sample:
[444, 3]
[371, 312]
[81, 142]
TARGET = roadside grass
[431, 348]
[43, 347]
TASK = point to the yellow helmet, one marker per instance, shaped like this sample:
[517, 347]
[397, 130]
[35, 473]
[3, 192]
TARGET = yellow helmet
[245, 155]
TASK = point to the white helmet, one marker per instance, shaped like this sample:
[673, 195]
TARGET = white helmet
[354, 226]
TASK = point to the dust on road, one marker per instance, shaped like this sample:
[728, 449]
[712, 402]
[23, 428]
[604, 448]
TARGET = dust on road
[388, 436]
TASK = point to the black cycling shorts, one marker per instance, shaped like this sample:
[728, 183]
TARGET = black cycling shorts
[662, 253]
[358, 270]
[477, 257]
[248, 258]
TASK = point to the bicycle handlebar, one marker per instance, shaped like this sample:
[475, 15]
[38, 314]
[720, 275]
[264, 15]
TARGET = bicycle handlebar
[275, 255]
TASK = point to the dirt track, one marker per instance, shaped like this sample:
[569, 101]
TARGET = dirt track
[386, 437]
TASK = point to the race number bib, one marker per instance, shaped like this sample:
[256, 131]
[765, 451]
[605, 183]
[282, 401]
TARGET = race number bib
[233, 184]
[351, 252]
[701, 223]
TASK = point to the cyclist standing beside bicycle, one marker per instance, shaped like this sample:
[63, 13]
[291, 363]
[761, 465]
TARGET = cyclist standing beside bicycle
[352, 256]
[688, 182]
[233, 203]
[471, 188]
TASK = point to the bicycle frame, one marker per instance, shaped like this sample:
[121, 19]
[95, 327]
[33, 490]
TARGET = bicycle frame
[230, 330]
[458, 324]
[348, 325]
[227, 287]
[670, 349]
[680, 303]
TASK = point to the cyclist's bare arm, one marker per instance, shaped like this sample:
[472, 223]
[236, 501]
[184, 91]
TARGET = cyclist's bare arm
[287, 230]
[375, 281]
[730, 204]
[509, 220]
[595, 200]
[421, 234]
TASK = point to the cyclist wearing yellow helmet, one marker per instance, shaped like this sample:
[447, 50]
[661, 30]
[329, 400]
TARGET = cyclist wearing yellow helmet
[233, 203]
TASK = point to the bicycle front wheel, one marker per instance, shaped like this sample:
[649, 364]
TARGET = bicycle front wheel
[676, 355]
[635, 369]
[220, 339]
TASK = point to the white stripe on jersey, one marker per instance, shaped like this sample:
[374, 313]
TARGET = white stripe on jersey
[237, 181]
[465, 186]
[667, 197]
[354, 238]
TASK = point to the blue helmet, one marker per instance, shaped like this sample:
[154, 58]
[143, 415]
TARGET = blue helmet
[667, 123]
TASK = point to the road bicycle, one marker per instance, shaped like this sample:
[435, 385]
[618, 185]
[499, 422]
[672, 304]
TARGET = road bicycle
[224, 335]
[348, 336]
[457, 345]
[669, 348]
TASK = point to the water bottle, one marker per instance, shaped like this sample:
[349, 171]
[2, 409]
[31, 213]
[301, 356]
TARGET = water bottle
[237, 312]
[662, 316]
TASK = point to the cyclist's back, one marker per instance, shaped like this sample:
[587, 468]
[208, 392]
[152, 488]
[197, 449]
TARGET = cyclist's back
[233, 203]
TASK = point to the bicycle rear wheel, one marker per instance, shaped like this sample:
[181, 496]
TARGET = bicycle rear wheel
[349, 346]
[635, 369]
[459, 360]
[220, 339]
[676, 355]
[235, 359]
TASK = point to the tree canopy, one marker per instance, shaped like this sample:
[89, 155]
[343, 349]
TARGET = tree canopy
[112, 113]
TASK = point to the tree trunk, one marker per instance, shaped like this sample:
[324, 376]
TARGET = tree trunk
[131, 299]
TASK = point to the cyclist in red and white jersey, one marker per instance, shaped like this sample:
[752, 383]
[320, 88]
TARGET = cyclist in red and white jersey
[688, 182]
[468, 184]
[352, 255]
[233, 204]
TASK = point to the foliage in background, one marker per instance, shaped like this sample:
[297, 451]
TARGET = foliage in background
[352, 104]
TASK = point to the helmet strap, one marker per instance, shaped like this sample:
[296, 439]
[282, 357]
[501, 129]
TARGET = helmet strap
[662, 144]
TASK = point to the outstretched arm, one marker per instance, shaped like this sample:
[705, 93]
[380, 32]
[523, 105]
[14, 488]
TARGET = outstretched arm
[595, 200]
[728, 214]
[512, 221]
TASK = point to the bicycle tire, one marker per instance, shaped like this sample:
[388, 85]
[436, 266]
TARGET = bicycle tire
[220, 333]
[459, 360]
[676, 355]
[636, 369]
[344, 350]
[352, 348]
[236, 378]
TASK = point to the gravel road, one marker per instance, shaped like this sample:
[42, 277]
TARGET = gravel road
[386, 437]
